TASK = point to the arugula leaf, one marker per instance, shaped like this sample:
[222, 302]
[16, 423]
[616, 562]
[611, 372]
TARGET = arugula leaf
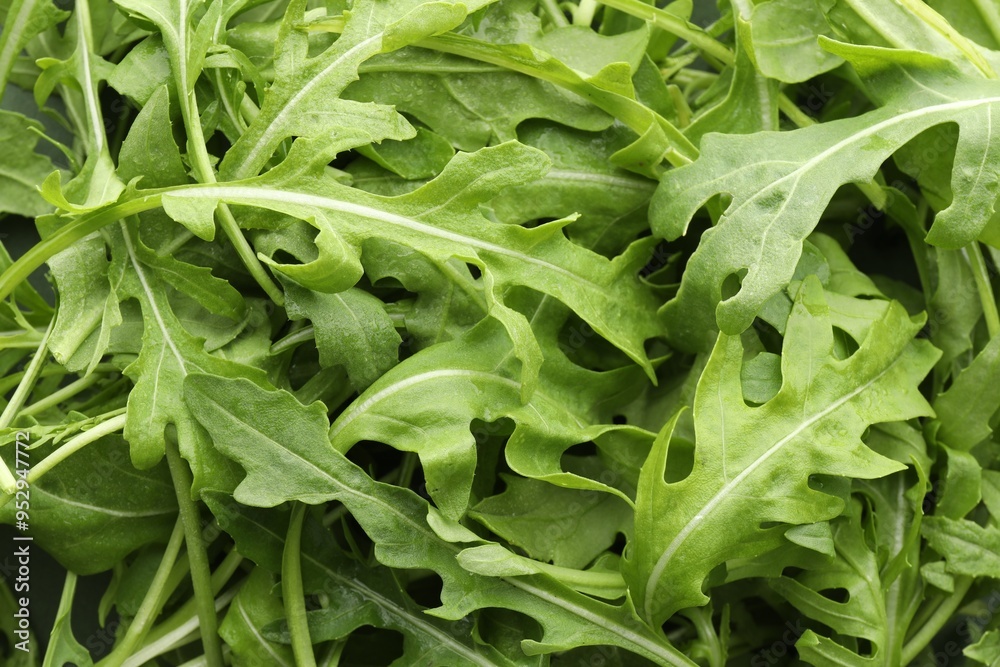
[358, 594]
[539, 333]
[395, 519]
[93, 515]
[352, 329]
[23, 20]
[168, 354]
[252, 609]
[25, 169]
[299, 102]
[441, 219]
[767, 453]
[781, 183]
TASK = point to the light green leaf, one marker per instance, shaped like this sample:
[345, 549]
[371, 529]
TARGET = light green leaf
[781, 182]
[961, 487]
[168, 353]
[22, 21]
[964, 409]
[579, 525]
[611, 202]
[427, 404]
[352, 330]
[786, 48]
[768, 453]
[88, 309]
[305, 99]
[986, 650]
[442, 219]
[968, 548]
[149, 151]
[253, 608]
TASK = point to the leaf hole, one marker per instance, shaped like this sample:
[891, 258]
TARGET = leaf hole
[371, 646]
[474, 270]
[680, 460]
[619, 419]
[282, 256]
[580, 450]
[838, 595]
[618, 546]
[865, 648]
[844, 344]
[375, 458]
[503, 628]
[732, 284]
[426, 590]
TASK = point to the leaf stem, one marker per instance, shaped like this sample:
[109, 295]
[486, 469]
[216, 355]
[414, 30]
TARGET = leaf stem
[291, 590]
[74, 445]
[675, 26]
[24, 387]
[152, 603]
[174, 625]
[27, 383]
[702, 619]
[62, 617]
[553, 12]
[292, 340]
[613, 582]
[205, 173]
[201, 573]
[179, 635]
[938, 619]
[940, 25]
[69, 234]
[584, 12]
[57, 397]
[981, 273]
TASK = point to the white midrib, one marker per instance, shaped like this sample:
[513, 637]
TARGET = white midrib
[725, 491]
[276, 124]
[426, 628]
[249, 194]
[859, 136]
[263, 642]
[616, 628]
[182, 54]
[353, 413]
[395, 389]
[107, 510]
[893, 597]
[89, 90]
[603, 179]
[157, 315]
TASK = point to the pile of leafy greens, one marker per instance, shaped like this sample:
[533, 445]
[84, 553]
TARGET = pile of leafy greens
[504, 332]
